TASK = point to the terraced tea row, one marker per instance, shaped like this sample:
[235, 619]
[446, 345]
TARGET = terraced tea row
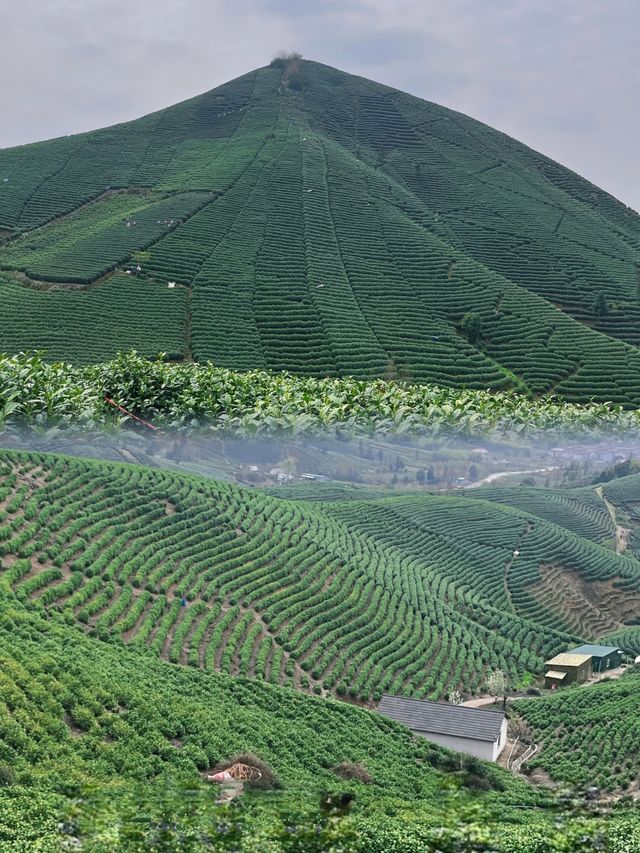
[410, 595]
[523, 547]
[102, 236]
[582, 512]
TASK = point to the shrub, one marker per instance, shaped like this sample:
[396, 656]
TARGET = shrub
[351, 771]
[476, 782]
[471, 326]
[7, 776]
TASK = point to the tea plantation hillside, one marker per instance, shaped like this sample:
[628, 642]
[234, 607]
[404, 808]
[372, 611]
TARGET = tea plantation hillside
[105, 748]
[592, 736]
[313, 221]
[416, 595]
[608, 514]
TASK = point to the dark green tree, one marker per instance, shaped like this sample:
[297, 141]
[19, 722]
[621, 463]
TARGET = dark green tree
[599, 307]
[471, 326]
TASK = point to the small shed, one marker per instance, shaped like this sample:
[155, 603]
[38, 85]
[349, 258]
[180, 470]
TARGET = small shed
[574, 669]
[471, 730]
[602, 657]
[554, 678]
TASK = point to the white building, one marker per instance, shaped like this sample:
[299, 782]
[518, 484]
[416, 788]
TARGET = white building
[471, 730]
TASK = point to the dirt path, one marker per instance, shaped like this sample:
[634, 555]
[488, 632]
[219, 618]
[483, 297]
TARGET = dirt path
[622, 533]
[510, 562]
[607, 673]
[481, 701]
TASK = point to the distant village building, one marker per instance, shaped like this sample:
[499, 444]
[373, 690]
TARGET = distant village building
[281, 475]
[602, 657]
[307, 476]
[470, 730]
[567, 668]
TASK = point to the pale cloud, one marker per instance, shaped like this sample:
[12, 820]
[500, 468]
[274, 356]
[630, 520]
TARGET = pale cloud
[560, 75]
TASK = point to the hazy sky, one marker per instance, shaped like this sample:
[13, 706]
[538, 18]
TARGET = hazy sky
[561, 75]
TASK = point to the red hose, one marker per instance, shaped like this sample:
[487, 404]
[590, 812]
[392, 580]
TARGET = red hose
[130, 414]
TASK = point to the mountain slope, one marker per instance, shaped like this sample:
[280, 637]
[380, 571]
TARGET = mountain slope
[418, 595]
[325, 224]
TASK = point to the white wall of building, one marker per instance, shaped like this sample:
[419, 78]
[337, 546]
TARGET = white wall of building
[480, 748]
[500, 744]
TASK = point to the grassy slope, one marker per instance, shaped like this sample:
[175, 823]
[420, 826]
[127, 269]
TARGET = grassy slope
[303, 594]
[113, 742]
[346, 229]
[582, 511]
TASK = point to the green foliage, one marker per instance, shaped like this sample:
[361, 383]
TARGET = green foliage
[600, 306]
[124, 309]
[34, 391]
[283, 58]
[106, 744]
[7, 776]
[104, 235]
[132, 782]
[620, 469]
[335, 234]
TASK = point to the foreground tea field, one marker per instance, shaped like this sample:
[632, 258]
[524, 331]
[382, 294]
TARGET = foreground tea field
[332, 227]
[105, 747]
[415, 595]
[95, 734]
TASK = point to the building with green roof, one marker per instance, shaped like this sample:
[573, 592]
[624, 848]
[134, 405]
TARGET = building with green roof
[602, 657]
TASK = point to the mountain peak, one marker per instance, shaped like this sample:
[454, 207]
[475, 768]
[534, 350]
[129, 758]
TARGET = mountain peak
[318, 222]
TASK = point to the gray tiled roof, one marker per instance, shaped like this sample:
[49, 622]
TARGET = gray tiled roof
[438, 718]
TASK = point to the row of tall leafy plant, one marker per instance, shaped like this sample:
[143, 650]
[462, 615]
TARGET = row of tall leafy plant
[36, 392]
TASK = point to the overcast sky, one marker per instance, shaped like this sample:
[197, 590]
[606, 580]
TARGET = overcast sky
[561, 75]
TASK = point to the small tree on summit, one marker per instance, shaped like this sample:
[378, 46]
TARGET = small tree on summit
[282, 59]
[471, 326]
[291, 65]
